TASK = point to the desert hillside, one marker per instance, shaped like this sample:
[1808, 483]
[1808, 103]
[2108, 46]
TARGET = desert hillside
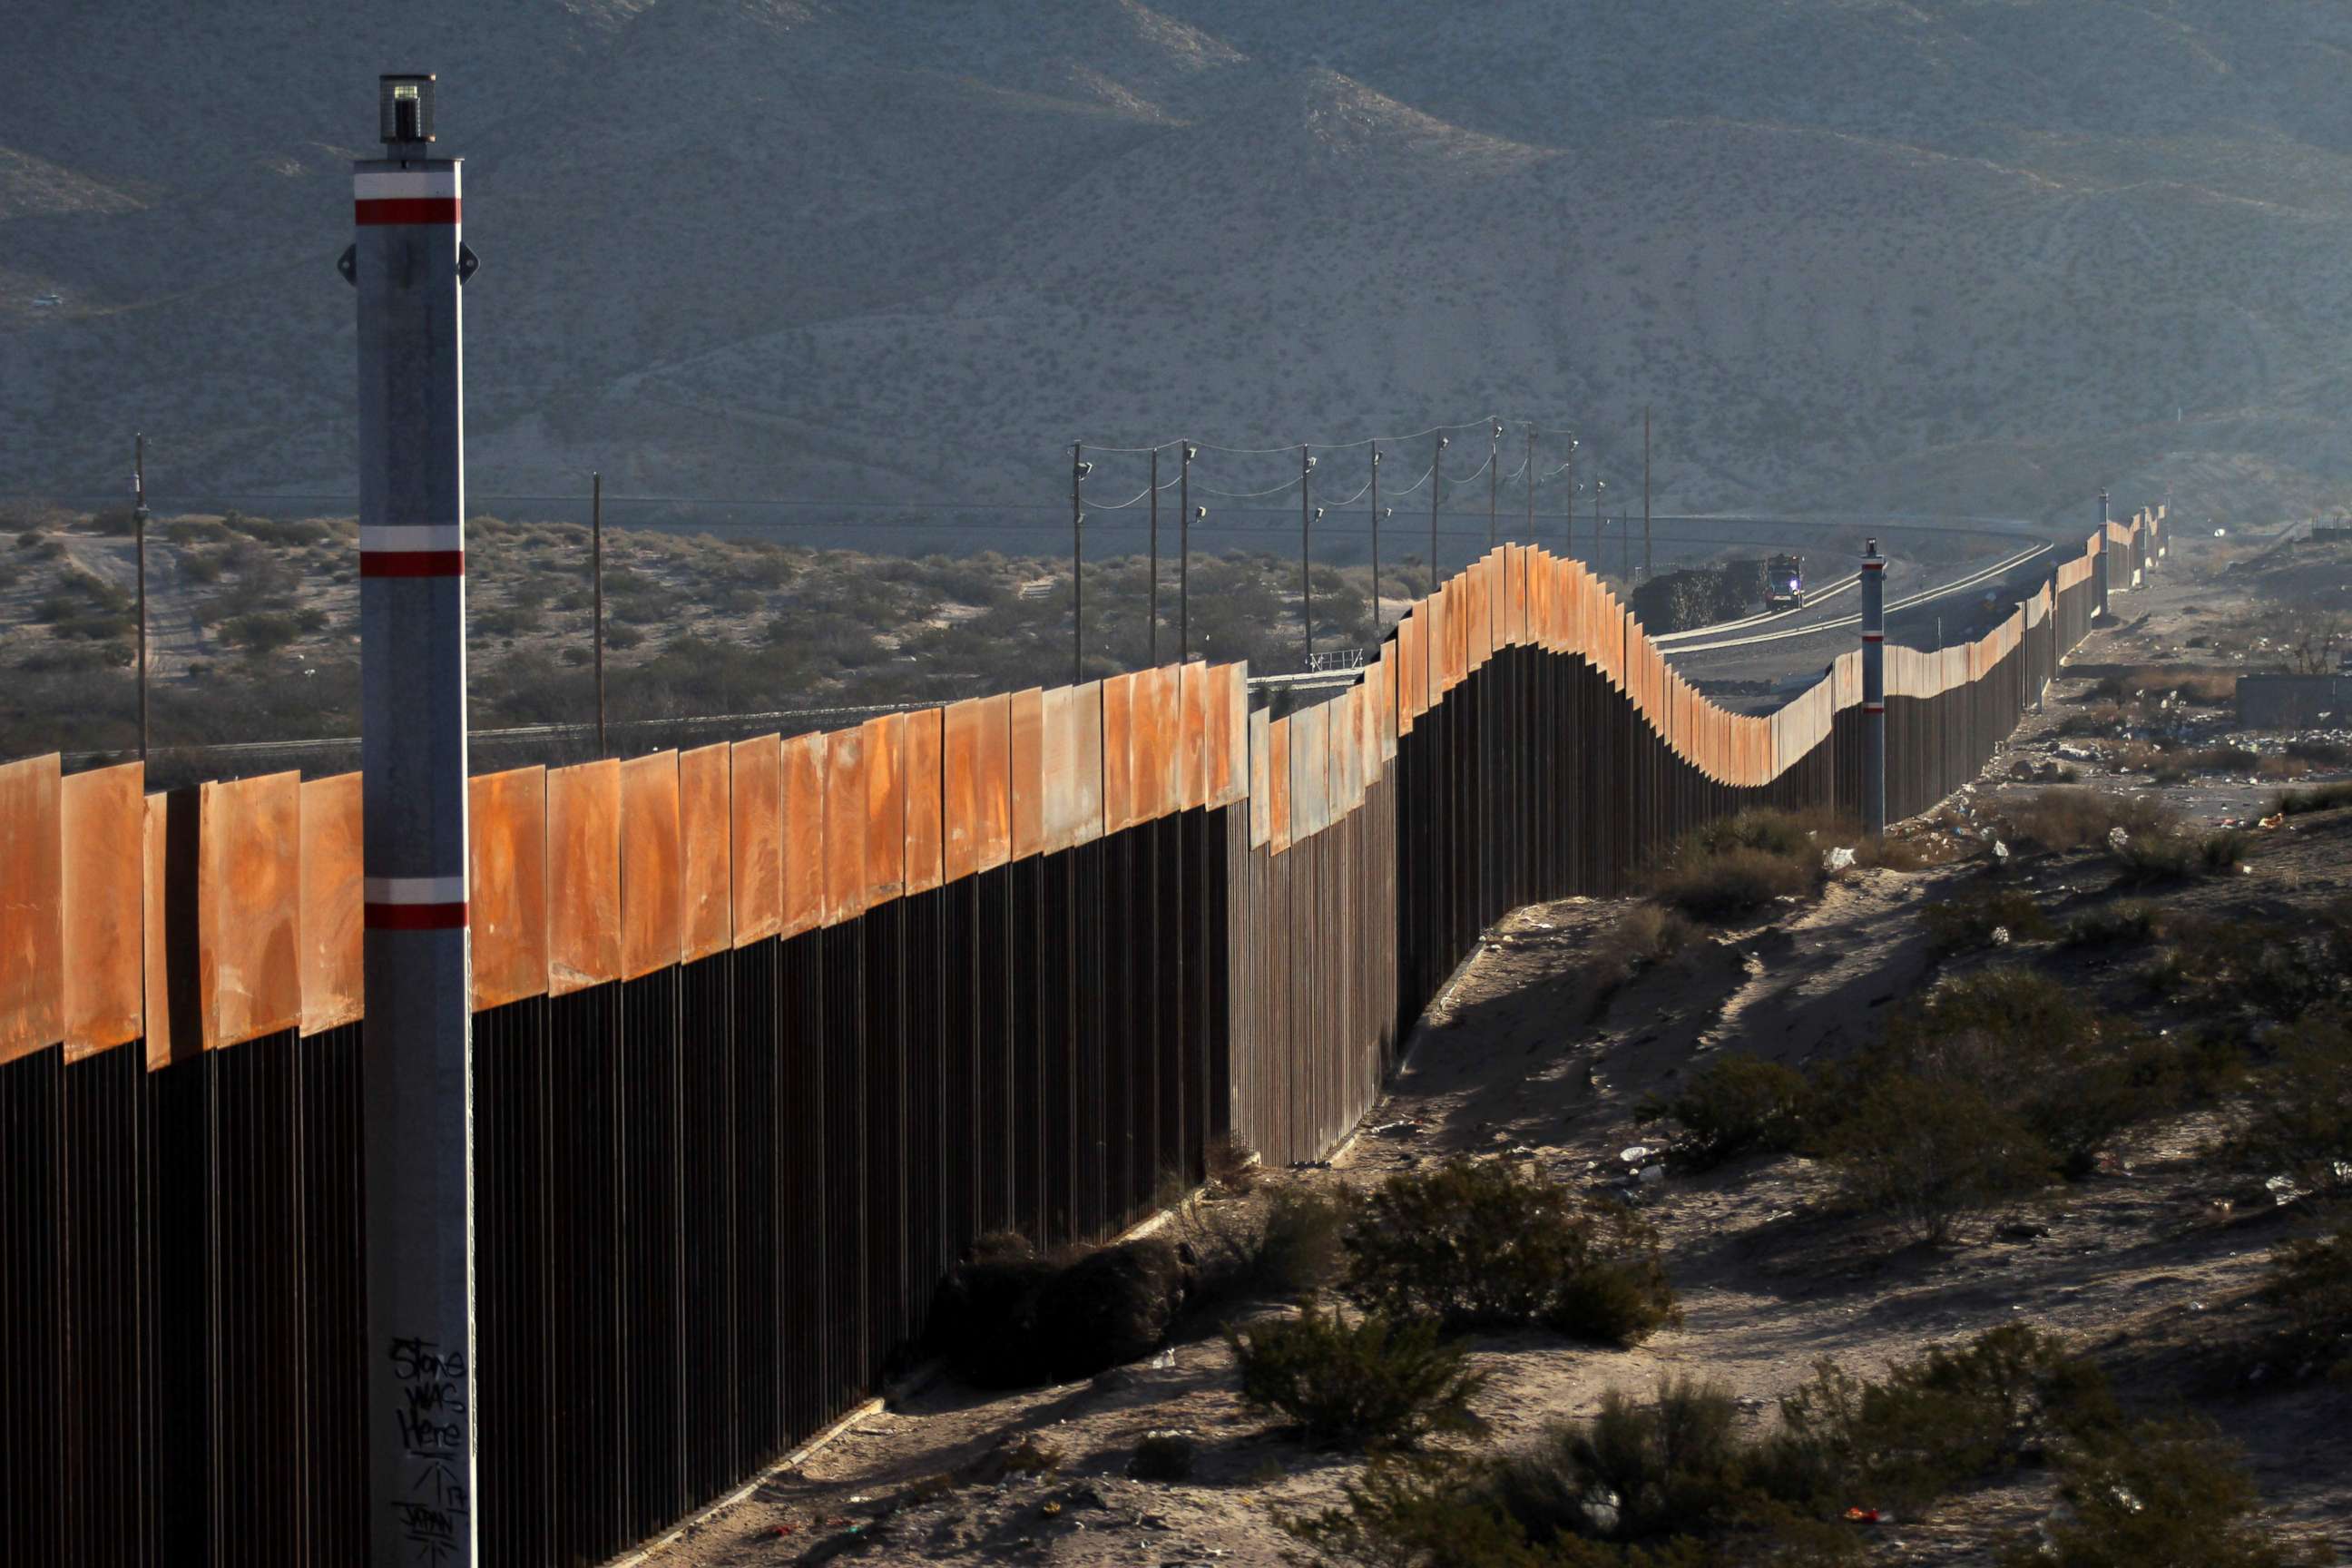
[1978, 257]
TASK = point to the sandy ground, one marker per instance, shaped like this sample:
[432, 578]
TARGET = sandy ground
[2150, 1265]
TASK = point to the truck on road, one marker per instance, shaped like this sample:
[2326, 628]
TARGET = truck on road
[1784, 582]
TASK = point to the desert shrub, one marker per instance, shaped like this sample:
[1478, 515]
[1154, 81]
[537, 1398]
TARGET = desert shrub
[2063, 818]
[1164, 1455]
[1232, 1167]
[1950, 1416]
[2319, 797]
[2298, 1115]
[1742, 863]
[2146, 860]
[1479, 1244]
[1643, 936]
[1735, 1105]
[1287, 1247]
[1373, 1383]
[2167, 1492]
[1984, 917]
[621, 638]
[2243, 968]
[2311, 1277]
[1929, 1153]
[261, 632]
[1009, 1318]
[2322, 753]
[2129, 921]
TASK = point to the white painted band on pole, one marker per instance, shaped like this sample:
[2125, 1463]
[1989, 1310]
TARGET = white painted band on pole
[401, 538]
[416, 890]
[404, 184]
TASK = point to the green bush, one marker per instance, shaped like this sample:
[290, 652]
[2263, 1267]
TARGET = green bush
[1984, 917]
[1929, 1152]
[1479, 1244]
[2311, 1277]
[1374, 1384]
[1735, 1105]
[2130, 922]
[1724, 884]
[1284, 1247]
[1949, 1416]
[2298, 1117]
[2169, 1493]
[2319, 797]
[2055, 820]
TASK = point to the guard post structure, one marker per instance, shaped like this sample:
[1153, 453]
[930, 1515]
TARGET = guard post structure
[406, 262]
[1873, 689]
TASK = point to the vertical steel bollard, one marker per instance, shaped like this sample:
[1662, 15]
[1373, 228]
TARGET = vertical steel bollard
[406, 263]
[1873, 690]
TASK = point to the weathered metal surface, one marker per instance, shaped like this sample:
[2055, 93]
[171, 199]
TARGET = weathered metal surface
[1279, 783]
[1231, 778]
[993, 774]
[32, 909]
[756, 838]
[1198, 692]
[1156, 765]
[651, 879]
[960, 813]
[101, 819]
[706, 830]
[1260, 788]
[844, 829]
[507, 833]
[249, 907]
[167, 952]
[886, 807]
[1025, 772]
[1118, 741]
[333, 896]
[804, 787]
[584, 876]
[925, 854]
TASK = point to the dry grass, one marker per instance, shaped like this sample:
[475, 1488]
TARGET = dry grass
[2063, 818]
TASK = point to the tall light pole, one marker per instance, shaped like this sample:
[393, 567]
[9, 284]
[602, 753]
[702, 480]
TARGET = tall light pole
[1568, 542]
[139, 545]
[1155, 557]
[1376, 541]
[1436, 481]
[1494, 477]
[409, 264]
[596, 571]
[1184, 520]
[1079, 470]
[1306, 570]
[1531, 472]
[1645, 492]
[1598, 485]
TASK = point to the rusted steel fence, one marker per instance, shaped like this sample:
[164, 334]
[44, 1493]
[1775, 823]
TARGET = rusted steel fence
[768, 1033]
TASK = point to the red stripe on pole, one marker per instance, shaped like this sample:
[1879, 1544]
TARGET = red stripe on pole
[412, 564]
[405, 209]
[415, 917]
[1873, 637]
[1874, 707]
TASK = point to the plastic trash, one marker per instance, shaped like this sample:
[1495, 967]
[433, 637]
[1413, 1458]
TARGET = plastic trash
[2117, 837]
[2000, 936]
[1636, 1155]
[1838, 859]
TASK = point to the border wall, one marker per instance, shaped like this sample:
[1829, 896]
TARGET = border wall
[767, 1033]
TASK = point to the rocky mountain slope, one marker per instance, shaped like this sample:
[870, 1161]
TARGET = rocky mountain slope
[1951, 255]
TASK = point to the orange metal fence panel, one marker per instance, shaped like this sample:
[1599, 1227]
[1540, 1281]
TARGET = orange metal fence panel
[886, 807]
[755, 804]
[805, 774]
[844, 834]
[332, 899]
[706, 833]
[507, 835]
[101, 817]
[961, 823]
[1193, 684]
[1118, 746]
[1278, 784]
[652, 935]
[926, 855]
[584, 876]
[249, 908]
[1026, 764]
[32, 909]
[168, 948]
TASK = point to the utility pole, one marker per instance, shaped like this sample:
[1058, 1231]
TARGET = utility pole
[1530, 472]
[1079, 469]
[1185, 519]
[1494, 477]
[1568, 542]
[1598, 484]
[596, 569]
[1645, 493]
[1873, 690]
[1306, 566]
[139, 543]
[1376, 541]
[1155, 557]
[409, 264]
[1436, 480]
